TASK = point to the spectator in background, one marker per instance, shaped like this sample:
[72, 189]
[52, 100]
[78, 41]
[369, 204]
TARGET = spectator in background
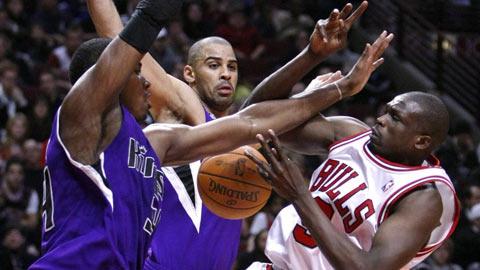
[465, 147]
[15, 134]
[257, 254]
[243, 36]
[264, 219]
[18, 203]
[194, 23]
[40, 119]
[41, 44]
[12, 99]
[19, 22]
[52, 88]
[20, 59]
[467, 239]
[164, 53]
[33, 165]
[440, 259]
[458, 152]
[15, 253]
[179, 41]
[49, 16]
[62, 56]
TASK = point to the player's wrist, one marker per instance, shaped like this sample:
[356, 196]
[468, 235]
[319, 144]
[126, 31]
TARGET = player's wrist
[147, 20]
[301, 197]
[315, 55]
[140, 32]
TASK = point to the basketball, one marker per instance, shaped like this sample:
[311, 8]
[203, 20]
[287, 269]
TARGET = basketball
[231, 186]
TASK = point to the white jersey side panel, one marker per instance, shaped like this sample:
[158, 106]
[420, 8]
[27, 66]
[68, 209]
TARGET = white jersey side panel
[355, 189]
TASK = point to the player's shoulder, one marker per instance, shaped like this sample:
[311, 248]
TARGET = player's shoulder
[346, 126]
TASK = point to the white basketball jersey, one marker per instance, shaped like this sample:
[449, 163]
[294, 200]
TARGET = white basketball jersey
[355, 189]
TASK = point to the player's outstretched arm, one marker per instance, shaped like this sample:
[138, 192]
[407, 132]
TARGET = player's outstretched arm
[329, 36]
[398, 239]
[90, 114]
[316, 135]
[167, 92]
[180, 143]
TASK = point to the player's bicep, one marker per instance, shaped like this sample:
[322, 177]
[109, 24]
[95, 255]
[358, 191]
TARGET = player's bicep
[405, 232]
[316, 135]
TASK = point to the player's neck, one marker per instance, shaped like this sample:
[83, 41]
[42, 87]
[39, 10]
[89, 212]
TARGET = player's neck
[399, 159]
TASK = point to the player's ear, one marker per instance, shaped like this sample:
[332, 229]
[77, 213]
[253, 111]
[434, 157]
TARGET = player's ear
[423, 142]
[188, 74]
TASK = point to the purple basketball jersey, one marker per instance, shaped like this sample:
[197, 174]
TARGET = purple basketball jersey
[188, 236]
[102, 216]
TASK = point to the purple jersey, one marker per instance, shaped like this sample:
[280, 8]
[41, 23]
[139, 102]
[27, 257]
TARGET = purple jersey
[101, 216]
[189, 236]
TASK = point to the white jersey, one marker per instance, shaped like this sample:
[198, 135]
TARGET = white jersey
[356, 189]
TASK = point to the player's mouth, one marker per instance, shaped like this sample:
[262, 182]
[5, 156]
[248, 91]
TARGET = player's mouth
[225, 89]
[375, 135]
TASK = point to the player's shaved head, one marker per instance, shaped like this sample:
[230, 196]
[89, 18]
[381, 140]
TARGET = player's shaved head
[196, 51]
[433, 119]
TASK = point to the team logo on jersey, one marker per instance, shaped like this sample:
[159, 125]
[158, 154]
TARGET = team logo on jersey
[387, 186]
[138, 160]
[144, 164]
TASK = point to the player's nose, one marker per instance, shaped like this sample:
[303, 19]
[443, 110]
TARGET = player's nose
[380, 120]
[226, 74]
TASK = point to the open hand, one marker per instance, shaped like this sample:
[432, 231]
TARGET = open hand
[282, 173]
[330, 35]
[368, 62]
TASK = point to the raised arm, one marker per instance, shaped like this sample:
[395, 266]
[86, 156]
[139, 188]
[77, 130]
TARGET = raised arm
[398, 239]
[329, 36]
[172, 100]
[90, 114]
[181, 144]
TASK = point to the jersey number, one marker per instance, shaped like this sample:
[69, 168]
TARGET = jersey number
[302, 236]
[47, 203]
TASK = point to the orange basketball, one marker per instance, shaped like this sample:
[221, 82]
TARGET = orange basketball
[231, 186]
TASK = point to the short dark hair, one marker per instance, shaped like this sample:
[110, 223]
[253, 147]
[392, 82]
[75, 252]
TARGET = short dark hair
[434, 119]
[86, 56]
[195, 52]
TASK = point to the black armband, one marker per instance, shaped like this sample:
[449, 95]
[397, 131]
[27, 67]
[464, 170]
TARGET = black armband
[141, 31]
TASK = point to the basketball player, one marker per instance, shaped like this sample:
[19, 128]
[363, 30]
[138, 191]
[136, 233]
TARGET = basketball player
[379, 201]
[99, 206]
[211, 73]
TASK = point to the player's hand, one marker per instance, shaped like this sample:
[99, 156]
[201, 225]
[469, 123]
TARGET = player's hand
[330, 35]
[368, 62]
[282, 173]
[323, 80]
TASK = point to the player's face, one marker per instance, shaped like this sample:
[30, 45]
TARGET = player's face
[216, 76]
[136, 95]
[394, 133]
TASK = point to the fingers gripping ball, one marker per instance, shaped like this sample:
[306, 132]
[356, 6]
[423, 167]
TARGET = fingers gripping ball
[231, 186]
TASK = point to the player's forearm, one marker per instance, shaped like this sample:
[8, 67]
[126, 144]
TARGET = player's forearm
[105, 17]
[339, 250]
[279, 84]
[284, 115]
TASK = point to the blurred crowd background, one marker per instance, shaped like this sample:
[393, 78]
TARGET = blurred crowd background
[38, 38]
